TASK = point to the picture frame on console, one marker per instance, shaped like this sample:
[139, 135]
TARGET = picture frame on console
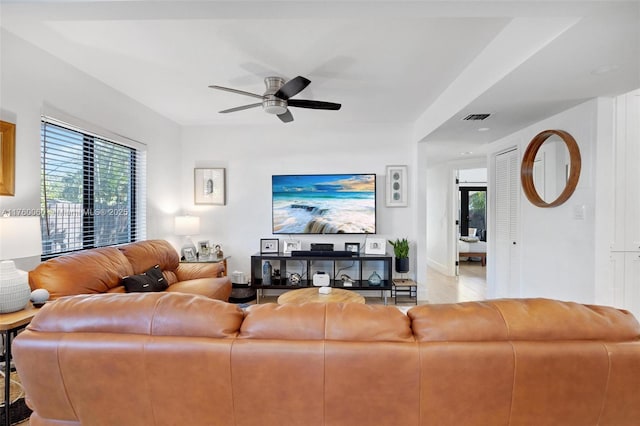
[269, 245]
[189, 254]
[209, 186]
[375, 246]
[352, 247]
[291, 245]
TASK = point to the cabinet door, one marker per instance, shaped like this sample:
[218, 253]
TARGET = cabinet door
[626, 190]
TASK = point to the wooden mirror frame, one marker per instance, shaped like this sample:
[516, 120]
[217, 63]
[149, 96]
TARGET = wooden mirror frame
[7, 158]
[526, 172]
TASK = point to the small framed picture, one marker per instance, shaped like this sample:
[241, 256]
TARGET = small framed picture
[205, 248]
[269, 245]
[352, 247]
[209, 186]
[375, 246]
[292, 245]
[397, 194]
[189, 254]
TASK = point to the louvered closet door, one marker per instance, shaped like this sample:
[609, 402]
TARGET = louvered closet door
[507, 251]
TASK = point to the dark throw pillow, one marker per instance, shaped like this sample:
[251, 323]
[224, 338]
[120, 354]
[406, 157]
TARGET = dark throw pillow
[150, 280]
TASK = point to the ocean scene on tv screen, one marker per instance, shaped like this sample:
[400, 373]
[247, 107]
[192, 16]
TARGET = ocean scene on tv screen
[324, 204]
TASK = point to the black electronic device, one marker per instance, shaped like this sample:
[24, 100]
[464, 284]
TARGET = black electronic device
[322, 253]
[321, 246]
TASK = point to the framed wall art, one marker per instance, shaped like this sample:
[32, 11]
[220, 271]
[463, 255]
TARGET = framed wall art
[7, 158]
[396, 191]
[209, 186]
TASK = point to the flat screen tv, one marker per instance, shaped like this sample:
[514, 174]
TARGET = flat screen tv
[324, 204]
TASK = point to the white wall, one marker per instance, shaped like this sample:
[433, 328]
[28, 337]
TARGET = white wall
[251, 155]
[556, 250]
[31, 78]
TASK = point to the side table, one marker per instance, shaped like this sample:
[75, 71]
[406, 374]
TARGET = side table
[210, 259]
[407, 288]
[10, 324]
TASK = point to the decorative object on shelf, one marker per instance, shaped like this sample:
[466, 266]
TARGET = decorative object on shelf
[269, 245]
[39, 297]
[291, 245]
[205, 248]
[209, 186]
[320, 279]
[375, 246]
[21, 237]
[295, 278]
[401, 252]
[218, 251]
[374, 279]
[533, 171]
[352, 247]
[7, 158]
[397, 194]
[266, 273]
[187, 226]
[347, 281]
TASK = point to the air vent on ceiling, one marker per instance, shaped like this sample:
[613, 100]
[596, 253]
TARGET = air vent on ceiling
[472, 117]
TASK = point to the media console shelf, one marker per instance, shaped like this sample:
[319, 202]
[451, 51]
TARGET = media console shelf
[358, 268]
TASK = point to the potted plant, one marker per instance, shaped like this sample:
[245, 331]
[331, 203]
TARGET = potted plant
[401, 252]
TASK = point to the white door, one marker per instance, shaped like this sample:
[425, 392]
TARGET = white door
[507, 250]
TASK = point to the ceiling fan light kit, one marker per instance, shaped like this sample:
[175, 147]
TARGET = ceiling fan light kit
[275, 99]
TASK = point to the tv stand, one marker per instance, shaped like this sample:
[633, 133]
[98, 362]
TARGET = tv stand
[358, 268]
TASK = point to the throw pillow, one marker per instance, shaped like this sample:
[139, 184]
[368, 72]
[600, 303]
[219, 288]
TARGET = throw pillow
[150, 280]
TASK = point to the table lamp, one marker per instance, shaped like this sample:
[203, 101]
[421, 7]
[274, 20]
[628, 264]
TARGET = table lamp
[19, 237]
[187, 226]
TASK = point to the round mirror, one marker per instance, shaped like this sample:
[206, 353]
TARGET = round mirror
[550, 168]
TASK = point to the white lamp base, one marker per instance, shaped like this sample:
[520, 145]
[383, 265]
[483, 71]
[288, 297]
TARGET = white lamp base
[14, 287]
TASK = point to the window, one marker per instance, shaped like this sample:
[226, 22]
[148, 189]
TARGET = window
[473, 215]
[92, 190]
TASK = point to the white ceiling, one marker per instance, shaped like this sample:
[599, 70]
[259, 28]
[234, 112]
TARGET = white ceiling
[423, 63]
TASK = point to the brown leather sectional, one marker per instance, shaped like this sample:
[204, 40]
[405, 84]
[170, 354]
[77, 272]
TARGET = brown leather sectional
[101, 270]
[178, 359]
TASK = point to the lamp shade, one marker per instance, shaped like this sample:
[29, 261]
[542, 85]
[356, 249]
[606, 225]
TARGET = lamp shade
[187, 225]
[20, 237]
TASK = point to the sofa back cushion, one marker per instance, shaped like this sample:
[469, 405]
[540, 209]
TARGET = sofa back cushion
[330, 321]
[154, 314]
[85, 272]
[145, 254]
[522, 319]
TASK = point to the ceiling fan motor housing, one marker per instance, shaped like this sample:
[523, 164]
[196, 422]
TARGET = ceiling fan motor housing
[271, 104]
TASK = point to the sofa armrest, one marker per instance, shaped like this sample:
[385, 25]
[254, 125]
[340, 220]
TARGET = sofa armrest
[213, 288]
[191, 271]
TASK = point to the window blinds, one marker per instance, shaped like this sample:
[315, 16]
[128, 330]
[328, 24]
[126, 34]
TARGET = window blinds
[92, 190]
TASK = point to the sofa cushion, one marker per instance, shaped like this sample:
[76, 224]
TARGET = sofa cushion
[144, 254]
[85, 272]
[149, 280]
[154, 314]
[330, 321]
[522, 319]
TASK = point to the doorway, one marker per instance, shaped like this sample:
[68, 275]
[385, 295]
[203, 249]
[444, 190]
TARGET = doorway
[472, 228]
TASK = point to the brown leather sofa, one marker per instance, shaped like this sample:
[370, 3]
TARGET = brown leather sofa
[177, 359]
[101, 270]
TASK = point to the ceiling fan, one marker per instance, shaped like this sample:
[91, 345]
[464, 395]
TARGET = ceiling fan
[277, 98]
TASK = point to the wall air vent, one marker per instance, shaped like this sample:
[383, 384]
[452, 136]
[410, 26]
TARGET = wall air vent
[472, 117]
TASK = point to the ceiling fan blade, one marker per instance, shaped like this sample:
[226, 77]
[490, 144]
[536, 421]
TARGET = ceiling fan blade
[304, 103]
[240, 108]
[240, 92]
[286, 116]
[292, 87]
